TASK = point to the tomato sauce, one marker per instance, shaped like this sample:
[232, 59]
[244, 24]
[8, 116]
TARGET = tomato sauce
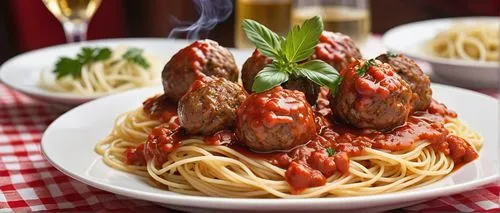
[328, 152]
[160, 108]
[330, 48]
[196, 55]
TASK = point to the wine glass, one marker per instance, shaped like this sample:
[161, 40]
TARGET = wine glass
[74, 15]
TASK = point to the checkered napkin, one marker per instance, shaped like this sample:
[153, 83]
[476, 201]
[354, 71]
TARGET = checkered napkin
[29, 183]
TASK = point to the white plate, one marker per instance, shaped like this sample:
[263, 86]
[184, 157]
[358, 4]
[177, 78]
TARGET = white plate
[22, 72]
[69, 142]
[411, 39]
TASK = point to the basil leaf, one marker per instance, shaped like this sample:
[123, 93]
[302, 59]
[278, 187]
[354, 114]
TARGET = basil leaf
[301, 40]
[269, 77]
[266, 41]
[320, 73]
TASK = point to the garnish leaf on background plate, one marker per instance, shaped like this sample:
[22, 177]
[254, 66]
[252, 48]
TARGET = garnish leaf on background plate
[288, 53]
[68, 66]
[73, 66]
[135, 55]
[88, 55]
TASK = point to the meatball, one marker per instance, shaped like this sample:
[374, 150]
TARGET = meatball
[210, 105]
[372, 96]
[309, 88]
[251, 67]
[336, 49]
[201, 58]
[413, 75]
[275, 120]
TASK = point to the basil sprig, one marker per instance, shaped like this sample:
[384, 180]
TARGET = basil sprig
[288, 53]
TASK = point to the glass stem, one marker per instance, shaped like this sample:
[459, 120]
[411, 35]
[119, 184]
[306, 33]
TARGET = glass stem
[75, 31]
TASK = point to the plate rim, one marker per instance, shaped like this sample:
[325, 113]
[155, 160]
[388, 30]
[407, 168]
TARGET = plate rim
[433, 59]
[264, 203]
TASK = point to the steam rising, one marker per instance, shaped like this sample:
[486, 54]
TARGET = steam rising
[211, 13]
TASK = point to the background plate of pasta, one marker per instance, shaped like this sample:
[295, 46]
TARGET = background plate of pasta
[464, 50]
[72, 74]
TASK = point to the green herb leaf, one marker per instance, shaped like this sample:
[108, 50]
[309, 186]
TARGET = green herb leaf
[269, 77]
[68, 66]
[320, 73]
[288, 52]
[103, 54]
[134, 55]
[266, 41]
[363, 69]
[301, 40]
[89, 54]
[330, 151]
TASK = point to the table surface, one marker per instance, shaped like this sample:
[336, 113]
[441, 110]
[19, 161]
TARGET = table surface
[29, 183]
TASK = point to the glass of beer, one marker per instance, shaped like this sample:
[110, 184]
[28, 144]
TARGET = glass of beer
[74, 15]
[274, 14]
[350, 17]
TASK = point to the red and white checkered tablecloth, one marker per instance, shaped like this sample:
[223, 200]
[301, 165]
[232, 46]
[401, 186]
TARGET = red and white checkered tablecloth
[29, 183]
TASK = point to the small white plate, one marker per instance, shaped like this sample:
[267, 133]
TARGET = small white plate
[68, 143]
[22, 72]
[411, 39]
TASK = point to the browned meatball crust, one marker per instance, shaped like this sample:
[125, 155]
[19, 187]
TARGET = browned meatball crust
[210, 106]
[336, 49]
[201, 58]
[377, 99]
[419, 83]
[275, 120]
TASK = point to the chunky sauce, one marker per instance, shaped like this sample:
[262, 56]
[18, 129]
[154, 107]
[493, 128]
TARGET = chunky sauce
[335, 48]
[196, 55]
[326, 153]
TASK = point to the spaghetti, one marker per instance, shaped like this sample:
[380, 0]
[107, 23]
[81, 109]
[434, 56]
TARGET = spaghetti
[200, 168]
[103, 77]
[476, 43]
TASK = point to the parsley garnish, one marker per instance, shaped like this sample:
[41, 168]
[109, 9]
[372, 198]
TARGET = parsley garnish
[73, 66]
[287, 52]
[69, 66]
[135, 55]
[330, 151]
[363, 69]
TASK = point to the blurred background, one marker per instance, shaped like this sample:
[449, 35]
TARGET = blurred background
[27, 24]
